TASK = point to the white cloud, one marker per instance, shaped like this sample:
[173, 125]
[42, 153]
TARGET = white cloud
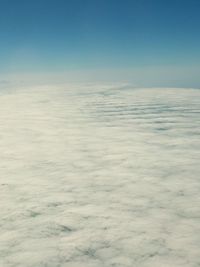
[96, 176]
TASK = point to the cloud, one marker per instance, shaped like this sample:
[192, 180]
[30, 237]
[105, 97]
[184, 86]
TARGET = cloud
[97, 176]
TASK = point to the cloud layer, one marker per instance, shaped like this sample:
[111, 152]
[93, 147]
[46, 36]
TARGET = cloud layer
[99, 176]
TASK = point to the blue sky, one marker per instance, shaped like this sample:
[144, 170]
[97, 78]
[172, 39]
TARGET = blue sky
[151, 37]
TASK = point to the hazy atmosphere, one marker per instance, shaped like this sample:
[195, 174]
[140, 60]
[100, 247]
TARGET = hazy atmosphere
[147, 43]
[99, 133]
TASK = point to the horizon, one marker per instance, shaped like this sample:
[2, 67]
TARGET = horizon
[141, 42]
[99, 140]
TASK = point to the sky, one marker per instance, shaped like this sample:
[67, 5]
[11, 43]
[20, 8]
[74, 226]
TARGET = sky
[153, 42]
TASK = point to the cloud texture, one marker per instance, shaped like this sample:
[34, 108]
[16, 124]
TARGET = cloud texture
[96, 176]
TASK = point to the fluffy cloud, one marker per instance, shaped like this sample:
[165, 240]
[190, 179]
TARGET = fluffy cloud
[96, 176]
